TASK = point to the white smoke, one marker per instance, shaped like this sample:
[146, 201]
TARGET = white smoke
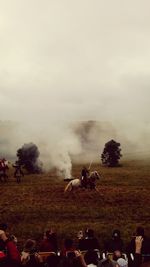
[63, 143]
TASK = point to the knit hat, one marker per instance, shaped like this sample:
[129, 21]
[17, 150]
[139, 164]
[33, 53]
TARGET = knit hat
[122, 262]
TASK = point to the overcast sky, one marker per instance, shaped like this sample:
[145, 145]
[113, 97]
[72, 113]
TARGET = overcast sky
[75, 59]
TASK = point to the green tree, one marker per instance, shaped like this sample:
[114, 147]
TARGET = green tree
[111, 154]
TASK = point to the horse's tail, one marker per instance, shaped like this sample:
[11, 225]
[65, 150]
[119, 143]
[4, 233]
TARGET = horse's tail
[68, 187]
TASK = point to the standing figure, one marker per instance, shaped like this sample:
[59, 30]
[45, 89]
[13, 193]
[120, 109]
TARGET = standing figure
[84, 177]
[18, 172]
[3, 170]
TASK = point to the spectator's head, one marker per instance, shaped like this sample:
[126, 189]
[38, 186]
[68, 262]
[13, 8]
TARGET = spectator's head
[3, 226]
[47, 234]
[116, 234]
[89, 233]
[50, 235]
[122, 262]
[91, 257]
[13, 238]
[107, 263]
[68, 243]
[30, 246]
[140, 231]
[116, 255]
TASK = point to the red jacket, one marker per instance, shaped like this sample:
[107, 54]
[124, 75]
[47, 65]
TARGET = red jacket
[13, 257]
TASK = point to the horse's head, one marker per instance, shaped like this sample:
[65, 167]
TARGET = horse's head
[97, 176]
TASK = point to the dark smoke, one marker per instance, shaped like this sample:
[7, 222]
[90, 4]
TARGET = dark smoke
[28, 156]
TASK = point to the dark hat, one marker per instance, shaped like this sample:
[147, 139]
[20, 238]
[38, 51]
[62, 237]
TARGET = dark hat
[116, 233]
[3, 226]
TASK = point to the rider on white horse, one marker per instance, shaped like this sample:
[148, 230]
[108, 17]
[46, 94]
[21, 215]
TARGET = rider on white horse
[76, 183]
[84, 177]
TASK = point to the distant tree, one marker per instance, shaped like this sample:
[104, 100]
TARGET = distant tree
[28, 156]
[111, 154]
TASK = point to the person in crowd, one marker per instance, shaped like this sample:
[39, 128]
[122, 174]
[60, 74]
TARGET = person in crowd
[117, 255]
[91, 258]
[137, 259]
[49, 242]
[108, 263]
[122, 262]
[145, 249]
[68, 247]
[89, 242]
[12, 257]
[4, 227]
[115, 243]
[30, 256]
[73, 259]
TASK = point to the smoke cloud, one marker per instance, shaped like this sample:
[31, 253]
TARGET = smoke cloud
[63, 143]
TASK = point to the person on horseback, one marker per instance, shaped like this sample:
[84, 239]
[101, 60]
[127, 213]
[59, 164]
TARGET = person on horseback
[84, 177]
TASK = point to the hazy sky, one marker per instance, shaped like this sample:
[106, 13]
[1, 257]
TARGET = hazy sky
[75, 59]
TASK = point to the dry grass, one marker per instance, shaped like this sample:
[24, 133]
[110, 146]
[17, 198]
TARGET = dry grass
[39, 202]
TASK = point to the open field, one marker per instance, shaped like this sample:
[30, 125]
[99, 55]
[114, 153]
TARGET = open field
[39, 202]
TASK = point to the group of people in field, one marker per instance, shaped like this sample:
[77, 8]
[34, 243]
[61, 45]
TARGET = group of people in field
[4, 167]
[83, 251]
[87, 179]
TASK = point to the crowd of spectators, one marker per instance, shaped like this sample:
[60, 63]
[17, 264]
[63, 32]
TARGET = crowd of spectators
[85, 253]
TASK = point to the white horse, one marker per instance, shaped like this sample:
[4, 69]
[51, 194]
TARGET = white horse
[76, 183]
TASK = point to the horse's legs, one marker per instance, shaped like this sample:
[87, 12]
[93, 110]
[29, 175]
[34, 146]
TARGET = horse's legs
[5, 177]
[92, 186]
[18, 179]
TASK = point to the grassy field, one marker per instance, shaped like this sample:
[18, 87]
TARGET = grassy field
[39, 202]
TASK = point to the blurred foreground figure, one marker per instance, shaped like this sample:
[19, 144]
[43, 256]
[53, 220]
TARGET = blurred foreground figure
[49, 242]
[10, 258]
